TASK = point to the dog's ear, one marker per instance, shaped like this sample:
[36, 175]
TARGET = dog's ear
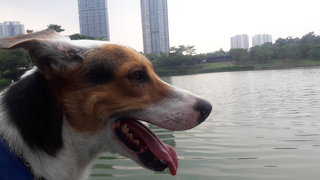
[51, 52]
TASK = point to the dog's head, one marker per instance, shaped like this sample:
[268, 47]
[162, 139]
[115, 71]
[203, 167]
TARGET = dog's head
[103, 86]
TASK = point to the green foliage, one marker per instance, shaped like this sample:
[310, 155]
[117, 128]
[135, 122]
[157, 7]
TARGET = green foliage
[55, 27]
[182, 50]
[314, 52]
[174, 60]
[13, 63]
[220, 53]
[262, 53]
[178, 56]
[79, 36]
[292, 51]
[239, 55]
[29, 31]
[307, 42]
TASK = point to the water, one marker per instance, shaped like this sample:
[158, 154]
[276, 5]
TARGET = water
[265, 125]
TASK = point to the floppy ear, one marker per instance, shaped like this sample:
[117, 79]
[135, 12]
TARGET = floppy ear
[49, 51]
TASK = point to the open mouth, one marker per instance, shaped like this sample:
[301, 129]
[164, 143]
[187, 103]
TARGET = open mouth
[147, 148]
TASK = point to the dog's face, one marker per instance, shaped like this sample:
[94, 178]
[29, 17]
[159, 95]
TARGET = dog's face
[113, 87]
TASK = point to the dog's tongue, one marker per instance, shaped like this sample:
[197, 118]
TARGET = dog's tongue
[159, 149]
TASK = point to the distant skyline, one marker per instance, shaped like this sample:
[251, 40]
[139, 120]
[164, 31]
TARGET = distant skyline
[207, 24]
[11, 28]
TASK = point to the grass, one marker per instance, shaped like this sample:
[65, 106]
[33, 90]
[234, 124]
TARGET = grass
[235, 66]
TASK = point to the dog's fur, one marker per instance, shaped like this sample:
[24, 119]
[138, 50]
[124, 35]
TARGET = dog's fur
[61, 115]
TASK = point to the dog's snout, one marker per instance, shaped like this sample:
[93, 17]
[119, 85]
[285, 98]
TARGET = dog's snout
[204, 107]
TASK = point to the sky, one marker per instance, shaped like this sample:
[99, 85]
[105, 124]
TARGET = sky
[206, 24]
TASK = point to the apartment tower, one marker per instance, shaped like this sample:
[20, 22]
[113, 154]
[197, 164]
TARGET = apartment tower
[260, 39]
[93, 17]
[240, 41]
[154, 14]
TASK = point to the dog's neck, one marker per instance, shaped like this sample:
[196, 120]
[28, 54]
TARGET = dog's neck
[72, 162]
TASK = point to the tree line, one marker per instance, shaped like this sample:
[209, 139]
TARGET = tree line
[307, 47]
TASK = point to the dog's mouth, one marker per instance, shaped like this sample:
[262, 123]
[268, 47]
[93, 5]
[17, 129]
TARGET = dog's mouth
[144, 146]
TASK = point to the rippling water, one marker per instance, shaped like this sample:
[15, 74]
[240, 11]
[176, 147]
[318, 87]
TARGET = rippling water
[264, 125]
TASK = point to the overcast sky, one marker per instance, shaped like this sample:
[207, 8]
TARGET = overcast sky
[207, 24]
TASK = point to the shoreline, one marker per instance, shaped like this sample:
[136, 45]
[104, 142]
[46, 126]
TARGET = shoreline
[235, 66]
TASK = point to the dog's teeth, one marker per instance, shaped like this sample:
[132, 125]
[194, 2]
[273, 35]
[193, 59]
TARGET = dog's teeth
[125, 128]
[130, 136]
[136, 142]
[162, 161]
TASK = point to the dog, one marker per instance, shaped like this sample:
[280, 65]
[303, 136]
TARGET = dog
[83, 98]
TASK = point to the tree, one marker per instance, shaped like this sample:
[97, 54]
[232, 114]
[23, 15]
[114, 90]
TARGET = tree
[262, 53]
[280, 42]
[13, 63]
[190, 50]
[219, 53]
[55, 27]
[79, 36]
[293, 51]
[182, 50]
[239, 55]
[314, 52]
[29, 31]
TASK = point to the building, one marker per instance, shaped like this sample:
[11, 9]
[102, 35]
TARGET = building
[11, 28]
[1, 30]
[93, 18]
[240, 41]
[154, 14]
[260, 39]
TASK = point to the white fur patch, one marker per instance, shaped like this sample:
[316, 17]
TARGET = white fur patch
[29, 72]
[88, 43]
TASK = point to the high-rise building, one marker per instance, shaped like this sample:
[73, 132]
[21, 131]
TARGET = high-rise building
[93, 17]
[240, 41]
[260, 39]
[11, 28]
[1, 30]
[155, 28]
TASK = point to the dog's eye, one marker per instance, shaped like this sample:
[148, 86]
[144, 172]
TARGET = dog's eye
[139, 77]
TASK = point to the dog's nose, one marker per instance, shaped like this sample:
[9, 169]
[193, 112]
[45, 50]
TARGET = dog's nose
[204, 107]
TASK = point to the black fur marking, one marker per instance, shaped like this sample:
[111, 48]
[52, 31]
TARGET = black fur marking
[100, 73]
[31, 106]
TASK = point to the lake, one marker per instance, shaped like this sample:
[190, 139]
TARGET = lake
[265, 125]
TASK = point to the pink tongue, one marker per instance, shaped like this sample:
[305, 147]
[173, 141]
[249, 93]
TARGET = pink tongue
[161, 150]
